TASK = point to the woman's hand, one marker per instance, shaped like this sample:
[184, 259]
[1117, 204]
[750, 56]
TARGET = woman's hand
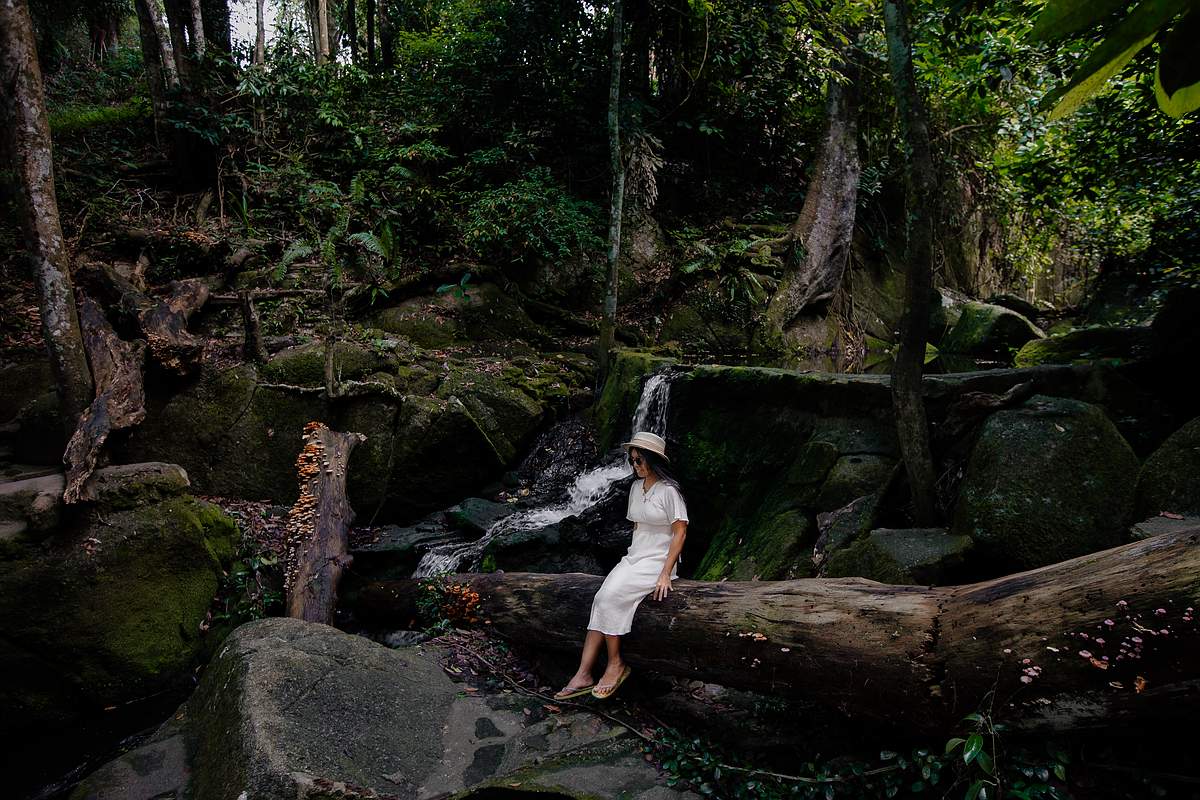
[662, 587]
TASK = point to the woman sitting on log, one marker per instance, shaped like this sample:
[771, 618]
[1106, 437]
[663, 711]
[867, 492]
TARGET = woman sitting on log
[657, 509]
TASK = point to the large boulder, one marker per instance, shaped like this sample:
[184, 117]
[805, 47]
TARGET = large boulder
[1170, 478]
[108, 609]
[613, 410]
[1087, 344]
[925, 556]
[988, 331]
[485, 313]
[290, 709]
[1046, 482]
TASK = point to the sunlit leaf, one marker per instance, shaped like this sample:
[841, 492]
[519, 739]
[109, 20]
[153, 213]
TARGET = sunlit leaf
[1177, 76]
[1136, 31]
[1062, 17]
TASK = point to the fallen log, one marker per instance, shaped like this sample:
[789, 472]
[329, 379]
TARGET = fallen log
[319, 524]
[1105, 639]
[120, 396]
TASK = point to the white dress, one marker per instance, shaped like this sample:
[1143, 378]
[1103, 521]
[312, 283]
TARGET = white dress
[635, 576]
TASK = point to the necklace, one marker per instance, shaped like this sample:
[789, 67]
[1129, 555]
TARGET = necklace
[646, 489]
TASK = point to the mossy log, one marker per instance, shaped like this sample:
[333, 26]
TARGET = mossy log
[319, 524]
[1107, 638]
[120, 396]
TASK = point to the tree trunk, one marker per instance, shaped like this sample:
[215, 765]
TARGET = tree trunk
[919, 657]
[823, 231]
[322, 31]
[253, 348]
[26, 130]
[608, 324]
[352, 31]
[385, 36]
[195, 25]
[218, 34]
[177, 22]
[159, 70]
[911, 423]
[318, 524]
[260, 34]
[120, 396]
[370, 14]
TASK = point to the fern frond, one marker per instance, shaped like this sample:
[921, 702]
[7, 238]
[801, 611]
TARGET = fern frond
[294, 252]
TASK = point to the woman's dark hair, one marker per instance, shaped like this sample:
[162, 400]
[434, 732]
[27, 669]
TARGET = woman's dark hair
[661, 467]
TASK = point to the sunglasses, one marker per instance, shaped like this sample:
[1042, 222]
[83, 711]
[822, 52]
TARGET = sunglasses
[637, 460]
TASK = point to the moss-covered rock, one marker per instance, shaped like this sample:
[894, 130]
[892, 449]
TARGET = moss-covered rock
[926, 556]
[40, 437]
[1086, 344]
[1046, 482]
[988, 330]
[234, 437]
[442, 320]
[853, 476]
[774, 545]
[108, 611]
[304, 365]
[506, 414]
[22, 382]
[1170, 478]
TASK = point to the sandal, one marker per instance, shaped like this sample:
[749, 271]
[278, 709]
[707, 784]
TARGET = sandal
[567, 694]
[603, 695]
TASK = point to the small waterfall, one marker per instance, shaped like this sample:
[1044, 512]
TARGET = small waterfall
[585, 491]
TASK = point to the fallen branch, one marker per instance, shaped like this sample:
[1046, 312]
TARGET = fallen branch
[120, 396]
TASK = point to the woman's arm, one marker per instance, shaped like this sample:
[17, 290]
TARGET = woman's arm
[678, 534]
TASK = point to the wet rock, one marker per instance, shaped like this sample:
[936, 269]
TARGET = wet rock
[1087, 344]
[925, 556]
[1046, 482]
[394, 551]
[1170, 478]
[988, 330]
[618, 401]
[475, 515]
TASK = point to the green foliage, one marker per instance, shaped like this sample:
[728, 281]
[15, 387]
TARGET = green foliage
[252, 588]
[530, 217]
[976, 765]
[1177, 78]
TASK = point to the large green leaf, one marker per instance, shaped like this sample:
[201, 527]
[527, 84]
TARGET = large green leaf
[1060, 18]
[1136, 31]
[1177, 77]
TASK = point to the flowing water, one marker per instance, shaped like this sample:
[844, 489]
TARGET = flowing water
[585, 491]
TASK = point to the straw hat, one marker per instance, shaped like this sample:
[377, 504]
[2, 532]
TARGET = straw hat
[645, 440]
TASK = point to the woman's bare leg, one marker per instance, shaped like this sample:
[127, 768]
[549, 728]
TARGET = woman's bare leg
[587, 661]
[615, 664]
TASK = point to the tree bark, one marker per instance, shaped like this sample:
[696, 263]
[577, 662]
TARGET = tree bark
[318, 524]
[163, 322]
[27, 138]
[370, 14]
[388, 56]
[260, 34]
[822, 232]
[160, 70]
[322, 31]
[120, 396]
[608, 323]
[911, 423]
[352, 31]
[218, 34]
[195, 25]
[918, 657]
[178, 14]
[253, 348]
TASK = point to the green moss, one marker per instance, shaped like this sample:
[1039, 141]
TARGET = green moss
[987, 330]
[304, 365]
[1170, 478]
[1085, 345]
[77, 118]
[613, 410]
[1046, 482]
[769, 546]
[864, 559]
